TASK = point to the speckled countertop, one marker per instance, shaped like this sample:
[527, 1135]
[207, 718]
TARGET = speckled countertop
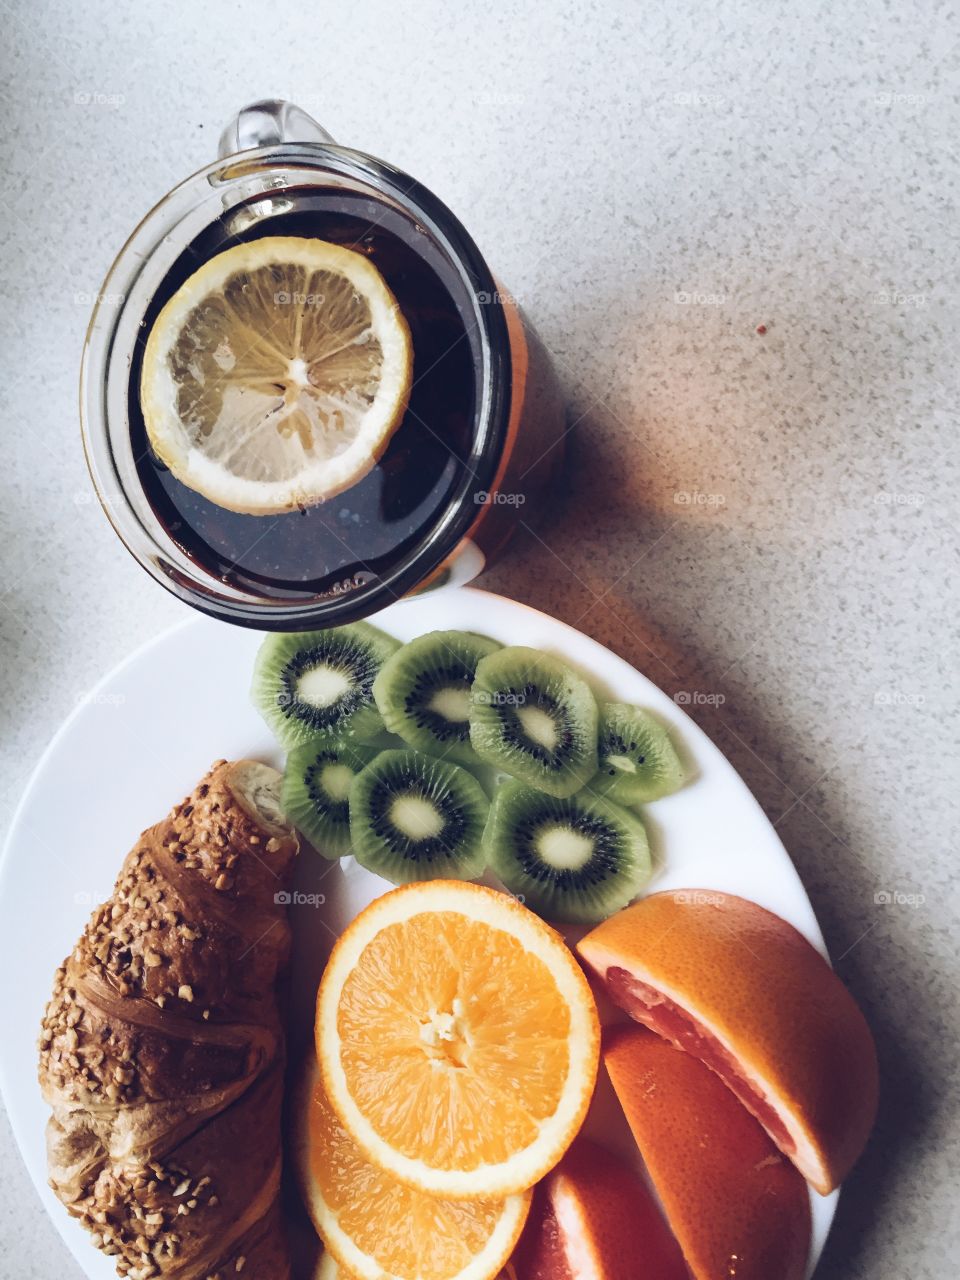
[769, 518]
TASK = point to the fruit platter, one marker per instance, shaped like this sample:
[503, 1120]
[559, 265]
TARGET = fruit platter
[446, 947]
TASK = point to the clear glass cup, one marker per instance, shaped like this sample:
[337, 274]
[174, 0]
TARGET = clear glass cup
[272, 149]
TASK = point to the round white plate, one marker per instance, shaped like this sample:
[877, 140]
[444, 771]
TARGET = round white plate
[152, 728]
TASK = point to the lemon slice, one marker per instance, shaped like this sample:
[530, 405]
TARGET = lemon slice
[276, 375]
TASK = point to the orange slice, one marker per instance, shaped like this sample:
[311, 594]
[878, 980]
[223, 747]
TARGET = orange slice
[328, 1269]
[458, 1039]
[379, 1229]
[746, 993]
[594, 1217]
[735, 1204]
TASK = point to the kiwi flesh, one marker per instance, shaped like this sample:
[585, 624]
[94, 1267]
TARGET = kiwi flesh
[423, 691]
[320, 683]
[413, 817]
[316, 792]
[534, 718]
[638, 762]
[573, 860]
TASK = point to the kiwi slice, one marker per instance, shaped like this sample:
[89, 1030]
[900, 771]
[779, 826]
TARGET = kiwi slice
[423, 691]
[534, 718]
[638, 762]
[321, 682]
[416, 818]
[316, 792]
[574, 860]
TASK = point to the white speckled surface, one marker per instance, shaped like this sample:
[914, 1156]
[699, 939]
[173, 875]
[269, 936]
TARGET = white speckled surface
[654, 183]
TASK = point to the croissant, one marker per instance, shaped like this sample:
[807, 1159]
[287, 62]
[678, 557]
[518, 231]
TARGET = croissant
[162, 1052]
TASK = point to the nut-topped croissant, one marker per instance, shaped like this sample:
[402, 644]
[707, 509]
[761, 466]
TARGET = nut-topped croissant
[161, 1051]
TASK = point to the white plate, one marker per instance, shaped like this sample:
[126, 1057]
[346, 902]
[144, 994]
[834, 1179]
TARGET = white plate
[149, 731]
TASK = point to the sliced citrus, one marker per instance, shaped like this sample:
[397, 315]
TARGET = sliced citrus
[458, 1039]
[379, 1229]
[742, 990]
[593, 1216]
[327, 1269]
[276, 374]
[737, 1207]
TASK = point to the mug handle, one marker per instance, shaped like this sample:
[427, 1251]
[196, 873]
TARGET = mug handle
[267, 123]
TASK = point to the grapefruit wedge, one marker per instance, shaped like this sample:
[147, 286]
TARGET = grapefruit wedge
[737, 1207]
[743, 991]
[593, 1218]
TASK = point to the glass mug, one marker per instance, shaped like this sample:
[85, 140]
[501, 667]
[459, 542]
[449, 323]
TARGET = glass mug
[275, 161]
